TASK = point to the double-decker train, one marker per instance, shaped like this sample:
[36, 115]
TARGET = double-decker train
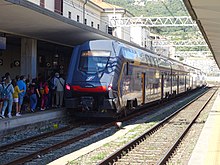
[107, 78]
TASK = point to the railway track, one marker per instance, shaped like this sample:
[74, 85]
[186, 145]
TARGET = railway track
[28, 150]
[31, 148]
[157, 144]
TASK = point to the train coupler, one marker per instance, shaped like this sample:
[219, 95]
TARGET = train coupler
[87, 103]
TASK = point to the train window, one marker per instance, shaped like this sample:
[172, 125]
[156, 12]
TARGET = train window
[168, 64]
[162, 62]
[155, 61]
[128, 53]
[142, 57]
[127, 68]
[147, 59]
[152, 61]
[93, 61]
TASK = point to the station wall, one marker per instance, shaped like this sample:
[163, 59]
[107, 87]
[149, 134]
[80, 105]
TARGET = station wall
[10, 58]
[50, 58]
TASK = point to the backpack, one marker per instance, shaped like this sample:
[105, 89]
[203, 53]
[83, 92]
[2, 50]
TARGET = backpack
[46, 89]
[4, 92]
[52, 86]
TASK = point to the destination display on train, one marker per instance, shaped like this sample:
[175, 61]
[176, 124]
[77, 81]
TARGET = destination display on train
[96, 53]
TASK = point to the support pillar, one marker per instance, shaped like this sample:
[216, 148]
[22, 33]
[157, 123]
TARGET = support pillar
[29, 57]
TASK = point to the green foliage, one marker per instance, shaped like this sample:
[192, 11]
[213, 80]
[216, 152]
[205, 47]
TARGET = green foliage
[160, 8]
[152, 8]
[99, 156]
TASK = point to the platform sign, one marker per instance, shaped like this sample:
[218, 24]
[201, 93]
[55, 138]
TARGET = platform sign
[2, 43]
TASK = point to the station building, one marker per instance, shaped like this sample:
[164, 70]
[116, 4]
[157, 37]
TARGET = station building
[38, 36]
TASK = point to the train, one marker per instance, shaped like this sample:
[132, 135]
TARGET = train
[108, 78]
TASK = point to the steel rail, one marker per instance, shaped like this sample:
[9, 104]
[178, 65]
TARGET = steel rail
[172, 148]
[58, 145]
[125, 149]
[6, 147]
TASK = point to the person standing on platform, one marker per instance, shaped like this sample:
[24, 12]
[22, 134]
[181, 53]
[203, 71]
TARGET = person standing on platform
[22, 86]
[52, 90]
[15, 96]
[44, 95]
[8, 100]
[59, 83]
[33, 93]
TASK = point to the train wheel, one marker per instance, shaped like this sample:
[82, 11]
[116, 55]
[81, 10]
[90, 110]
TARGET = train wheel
[125, 112]
[129, 104]
[135, 103]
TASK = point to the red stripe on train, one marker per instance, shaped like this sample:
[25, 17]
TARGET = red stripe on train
[94, 89]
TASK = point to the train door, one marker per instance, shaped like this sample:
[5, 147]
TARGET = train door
[192, 83]
[178, 83]
[143, 83]
[162, 85]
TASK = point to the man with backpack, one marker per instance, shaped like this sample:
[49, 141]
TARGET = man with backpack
[7, 95]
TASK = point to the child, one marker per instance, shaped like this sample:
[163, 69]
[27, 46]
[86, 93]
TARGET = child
[15, 96]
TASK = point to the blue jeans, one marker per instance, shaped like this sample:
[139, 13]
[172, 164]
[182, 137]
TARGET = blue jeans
[20, 99]
[9, 104]
[33, 101]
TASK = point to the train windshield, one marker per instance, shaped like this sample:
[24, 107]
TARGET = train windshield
[93, 61]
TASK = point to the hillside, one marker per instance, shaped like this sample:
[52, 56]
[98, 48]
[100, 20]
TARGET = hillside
[160, 8]
[152, 8]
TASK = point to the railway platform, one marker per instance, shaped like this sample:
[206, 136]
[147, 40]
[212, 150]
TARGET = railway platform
[29, 119]
[207, 149]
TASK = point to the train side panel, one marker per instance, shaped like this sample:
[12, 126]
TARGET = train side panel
[106, 76]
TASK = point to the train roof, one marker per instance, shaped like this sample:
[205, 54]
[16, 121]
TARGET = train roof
[139, 54]
[163, 61]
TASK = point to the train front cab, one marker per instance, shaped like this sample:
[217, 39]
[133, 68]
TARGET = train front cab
[89, 84]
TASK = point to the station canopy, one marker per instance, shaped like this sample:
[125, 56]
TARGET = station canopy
[26, 19]
[207, 15]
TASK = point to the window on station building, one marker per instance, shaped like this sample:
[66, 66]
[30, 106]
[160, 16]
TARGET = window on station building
[97, 26]
[42, 3]
[85, 21]
[69, 15]
[77, 18]
[58, 6]
[92, 24]
[110, 30]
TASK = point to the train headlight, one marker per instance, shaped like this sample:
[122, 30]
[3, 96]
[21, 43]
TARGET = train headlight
[110, 87]
[68, 87]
